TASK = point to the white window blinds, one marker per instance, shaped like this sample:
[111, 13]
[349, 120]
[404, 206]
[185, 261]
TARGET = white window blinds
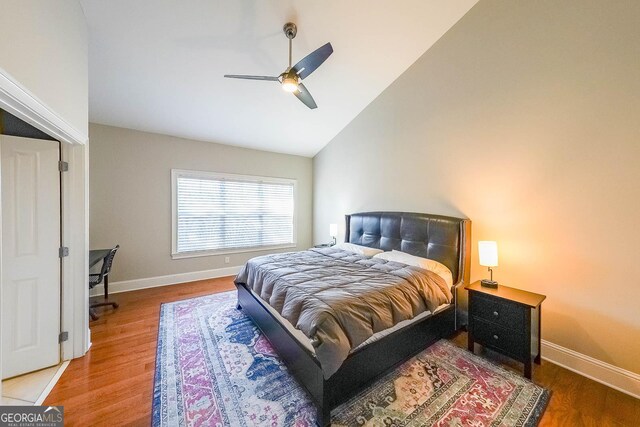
[226, 213]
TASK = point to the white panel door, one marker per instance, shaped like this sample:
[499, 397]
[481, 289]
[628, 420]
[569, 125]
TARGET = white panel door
[30, 263]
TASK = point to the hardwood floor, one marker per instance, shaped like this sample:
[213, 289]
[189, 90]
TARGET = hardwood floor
[112, 385]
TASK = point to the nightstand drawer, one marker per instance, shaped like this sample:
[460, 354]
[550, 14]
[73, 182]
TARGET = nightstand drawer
[504, 339]
[496, 310]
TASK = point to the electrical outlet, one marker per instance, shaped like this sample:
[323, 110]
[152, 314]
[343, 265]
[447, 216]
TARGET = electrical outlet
[226, 260]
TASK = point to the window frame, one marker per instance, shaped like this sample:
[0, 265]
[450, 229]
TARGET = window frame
[179, 173]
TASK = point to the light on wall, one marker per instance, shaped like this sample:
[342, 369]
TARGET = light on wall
[333, 232]
[488, 252]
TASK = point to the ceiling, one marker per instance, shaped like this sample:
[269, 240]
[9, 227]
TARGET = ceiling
[157, 65]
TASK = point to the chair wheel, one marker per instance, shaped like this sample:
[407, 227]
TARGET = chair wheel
[115, 305]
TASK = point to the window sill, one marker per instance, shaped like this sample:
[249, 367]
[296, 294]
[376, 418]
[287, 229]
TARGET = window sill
[181, 255]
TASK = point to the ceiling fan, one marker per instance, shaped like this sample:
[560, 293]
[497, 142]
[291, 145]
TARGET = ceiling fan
[291, 78]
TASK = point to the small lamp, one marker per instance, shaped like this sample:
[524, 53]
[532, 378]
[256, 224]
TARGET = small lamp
[488, 251]
[333, 232]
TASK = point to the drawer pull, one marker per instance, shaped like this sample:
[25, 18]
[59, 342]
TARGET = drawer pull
[496, 314]
[495, 337]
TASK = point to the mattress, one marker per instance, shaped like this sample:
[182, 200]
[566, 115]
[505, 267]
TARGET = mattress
[306, 342]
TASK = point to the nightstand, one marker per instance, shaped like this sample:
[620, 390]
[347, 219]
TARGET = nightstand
[506, 320]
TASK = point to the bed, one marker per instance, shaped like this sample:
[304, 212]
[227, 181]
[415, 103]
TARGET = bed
[441, 238]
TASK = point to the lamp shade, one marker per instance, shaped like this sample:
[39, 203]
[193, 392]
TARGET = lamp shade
[488, 251]
[333, 230]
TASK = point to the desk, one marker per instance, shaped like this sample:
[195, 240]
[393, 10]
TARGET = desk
[97, 255]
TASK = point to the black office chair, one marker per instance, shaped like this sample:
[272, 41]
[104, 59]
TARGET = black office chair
[96, 279]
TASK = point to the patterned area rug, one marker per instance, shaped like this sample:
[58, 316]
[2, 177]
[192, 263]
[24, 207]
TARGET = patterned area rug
[215, 368]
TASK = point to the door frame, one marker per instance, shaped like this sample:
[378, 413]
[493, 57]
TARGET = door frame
[19, 101]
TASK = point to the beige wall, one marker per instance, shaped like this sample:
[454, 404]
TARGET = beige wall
[524, 118]
[43, 45]
[130, 192]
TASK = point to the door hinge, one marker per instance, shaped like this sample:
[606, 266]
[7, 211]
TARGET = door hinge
[64, 336]
[63, 166]
[63, 252]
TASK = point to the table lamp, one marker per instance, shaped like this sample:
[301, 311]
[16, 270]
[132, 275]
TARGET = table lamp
[333, 232]
[488, 251]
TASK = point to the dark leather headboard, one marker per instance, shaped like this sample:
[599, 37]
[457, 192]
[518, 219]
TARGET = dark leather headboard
[442, 238]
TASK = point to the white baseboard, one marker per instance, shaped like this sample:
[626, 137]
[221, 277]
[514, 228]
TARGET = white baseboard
[52, 383]
[172, 279]
[617, 378]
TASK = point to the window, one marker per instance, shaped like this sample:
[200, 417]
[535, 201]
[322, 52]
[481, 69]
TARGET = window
[223, 213]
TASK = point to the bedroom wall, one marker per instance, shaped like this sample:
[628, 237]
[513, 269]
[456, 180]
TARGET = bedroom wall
[130, 196]
[43, 45]
[524, 118]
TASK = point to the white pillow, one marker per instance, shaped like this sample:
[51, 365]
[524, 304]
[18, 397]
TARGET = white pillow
[357, 249]
[416, 261]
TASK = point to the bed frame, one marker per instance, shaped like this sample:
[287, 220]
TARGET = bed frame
[442, 238]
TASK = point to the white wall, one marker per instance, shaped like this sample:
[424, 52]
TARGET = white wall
[130, 195]
[43, 46]
[524, 118]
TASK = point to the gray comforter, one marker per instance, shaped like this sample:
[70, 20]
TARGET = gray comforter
[339, 299]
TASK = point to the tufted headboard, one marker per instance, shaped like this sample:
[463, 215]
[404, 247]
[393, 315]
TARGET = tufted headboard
[442, 238]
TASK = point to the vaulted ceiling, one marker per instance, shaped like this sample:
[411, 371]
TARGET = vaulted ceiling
[157, 65]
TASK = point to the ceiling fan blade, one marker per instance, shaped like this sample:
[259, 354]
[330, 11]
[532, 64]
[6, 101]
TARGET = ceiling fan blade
[303, 95]
[311, 62]
[241, 76]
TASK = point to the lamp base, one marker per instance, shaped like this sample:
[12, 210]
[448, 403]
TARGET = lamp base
[489, 283]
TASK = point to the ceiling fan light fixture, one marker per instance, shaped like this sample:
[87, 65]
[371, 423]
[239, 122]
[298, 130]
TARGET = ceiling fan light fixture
[290, 84]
